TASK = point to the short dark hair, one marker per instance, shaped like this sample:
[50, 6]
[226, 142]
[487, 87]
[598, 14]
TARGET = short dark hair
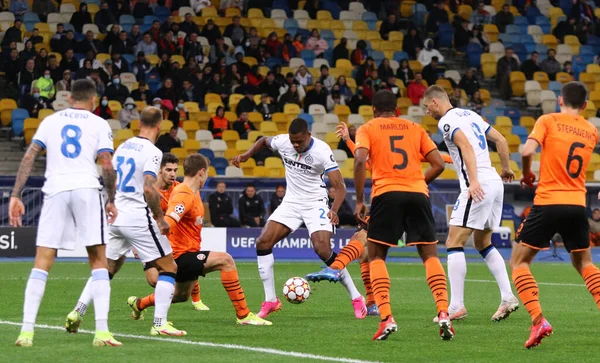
[83, 90]
[193, 163]
[574, 95]
[221, 182]
[298, 126]
[535, 52]
[508, 48]
[169, 158]
[384, 101]
[150, 116]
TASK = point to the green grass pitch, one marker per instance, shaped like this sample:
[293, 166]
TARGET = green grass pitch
[323, 328]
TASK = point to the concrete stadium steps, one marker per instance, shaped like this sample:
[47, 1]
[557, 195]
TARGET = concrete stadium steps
[11, 154]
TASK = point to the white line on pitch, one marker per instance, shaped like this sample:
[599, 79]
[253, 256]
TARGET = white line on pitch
[284, 353]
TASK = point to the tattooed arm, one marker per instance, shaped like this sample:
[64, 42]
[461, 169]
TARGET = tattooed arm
[16, 209]
[152, 197]
[108, 175]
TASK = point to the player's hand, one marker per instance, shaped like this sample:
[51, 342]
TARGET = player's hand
[476, 191]
[163, 227]
[239, 159]
[111, 213]
[507, 175]
[333, 217]
[342, 131]
[528, 179]
[361, 213]
[16, 210]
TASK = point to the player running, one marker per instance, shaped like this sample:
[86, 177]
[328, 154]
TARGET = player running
[141, 223]
[74, 139]
[567, 141]
[400, 203]
[184, 217]
[478, 209]
[306, 161]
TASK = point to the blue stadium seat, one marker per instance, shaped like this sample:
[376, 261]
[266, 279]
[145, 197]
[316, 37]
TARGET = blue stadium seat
[521, 51]
[130, 58]
[419, 11]
[543, 22]
[327, 34]
[309, 57]
[555, 86]
[208, 153]
[144, 27]
[79, 37]
[446, 32]
[533, 14]
[162, 12]
[304, 32]
[220, 165]
[521, 132]
[18, 120]
[69, 26]
[474, 52]
[490, 113]
[514, 114]
[370, 18]
[516, 156]
[328, 55]
[97, 2]
[31, 17]
[506, 39]
[541, 48]
[512, 29]
[272, 62]
[291, 25]
[126, 19]
[586, 50]
[377, 56]
[594, 41]
[149, 19]
[308, 118]
[522, 23]
[566, 6]
[497, 103]
[334, 9]
[437, 138]
[400, 55]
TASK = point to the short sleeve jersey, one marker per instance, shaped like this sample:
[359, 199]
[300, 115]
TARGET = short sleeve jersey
[395, 147]
[304, 171]
[184, 215]
[164, 196]
[133, 160]
[73, 138]
[567, 146]
[474, 128]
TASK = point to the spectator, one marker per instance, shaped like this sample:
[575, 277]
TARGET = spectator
[69, 62]
[334, 99]
[291, 96]
[13, 34]
[141, 67]
[188, 26]
[287, 50]
[41, 61]
[312, 7]
[385, 71]
[437, 16]
[364, 70]
[81, 17]
[46, 85]
[326, 79]
[462, 36]
[583, 30]
[167, 92]
[218, 123]
[56, 37]
[210, 32]
[116, 91]
[506, 65]
[431, 72]
[246, 104]
[550, 65]
[404, 73]
[243, 126]
[476, 103]
[456, 98]
[216, 85]
[128, 113]
[481, 38]
[218, 50]
[103, 110]
[179, 114]
[100, 85]
[316, 96]
[226, 4]
[345, 213]
[246, 86]
[345, 90]
[27, 76]
[564, 28]
[269, 87]
[28, 53]
[251, 208]
[67, 42]
[191, 93]
[104, 17]
[276, 198]
[19, 8]
[141, 9]
[11, 67]
[530, 66]
[255, 39]
[480, 16]
[388, 26]
[43, 8]
[135, 35]
[360, 54]
[119, 65]
[147, 46]
[33, 102]
[416, 89]
[167, 44]
[340, 51]
[504, 18]
[168, 140]
[198, 5]
[568, 68]
[346, 133]
[594, 222]
[469, 83]
[581, 10]
[429, 52]
[265, 108]
[316, 44]
[220, 206]
[122, 45]
[273, 44]
[35, 37]
[142, 93]
[235, 31]
[304, 77]
[358, 100]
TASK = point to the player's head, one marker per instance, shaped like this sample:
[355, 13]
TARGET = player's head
[384, 103]
[573, 95]
[221, 187]
[83, 94]
[168, 168]
[436, 101]
[150, 120]
[299, 135]
[196, 166]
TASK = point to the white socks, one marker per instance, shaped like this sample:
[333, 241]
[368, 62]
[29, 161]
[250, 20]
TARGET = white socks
[265, 270]
[497, 267]
[85, 299]
[34, 292]
[100, 289]
[457, 272]
[346, 281]
[163, 295]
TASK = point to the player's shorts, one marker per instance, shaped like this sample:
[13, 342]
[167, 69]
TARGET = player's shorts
[71, 217]
[147, 241]
[544, 221]
[312, 214]
[191, 265]
[483, 215]
[394, 213]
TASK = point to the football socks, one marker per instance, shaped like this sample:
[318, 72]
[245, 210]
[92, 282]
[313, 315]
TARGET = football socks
[231, 283]
[100, 288]
[380, 282]
[457, 272]
[497, 267]
[196, 293]
[436, 279]
[527, 289]
[351, 252]
[591, 276]
[34, 292]
[365, 272]
[265, 270]
[165, 287]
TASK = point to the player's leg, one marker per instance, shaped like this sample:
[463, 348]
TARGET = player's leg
[197, 302]
[582, 261]
[365, 272]
[457, 270]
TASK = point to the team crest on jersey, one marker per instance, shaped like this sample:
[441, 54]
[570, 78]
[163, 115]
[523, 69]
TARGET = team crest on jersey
[199, 221]
[179, 208]
[332, 158]
[308, 159]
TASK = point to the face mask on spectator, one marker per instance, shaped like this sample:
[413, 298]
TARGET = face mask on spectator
[104, 102]
[130, 107]
[116, 81]
[36, 95]
[180, 106]
[47, 76]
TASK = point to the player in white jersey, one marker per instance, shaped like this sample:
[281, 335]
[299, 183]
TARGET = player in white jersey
[306, 161]
[478, 209]
[74, 139]
[140, 223]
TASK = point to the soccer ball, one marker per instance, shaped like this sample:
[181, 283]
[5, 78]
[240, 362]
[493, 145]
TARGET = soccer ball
[296, 290]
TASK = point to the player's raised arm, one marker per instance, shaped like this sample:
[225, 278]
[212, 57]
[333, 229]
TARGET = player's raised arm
[475, 190]
[16, 209]
[502, 146]
[260, 144]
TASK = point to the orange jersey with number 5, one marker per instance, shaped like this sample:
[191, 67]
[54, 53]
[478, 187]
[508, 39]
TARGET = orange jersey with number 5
[184, 216]
[567, 146]
[395, 147]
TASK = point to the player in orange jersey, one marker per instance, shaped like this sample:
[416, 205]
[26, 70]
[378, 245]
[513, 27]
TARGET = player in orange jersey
[567, 141]
[356, 249]
[165, 184]
[400, 203]
[184, 216]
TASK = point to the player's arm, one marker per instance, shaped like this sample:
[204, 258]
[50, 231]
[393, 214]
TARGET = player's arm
[259, 145]
[434, 157]
[502, 146]
[360, 174]
[16, 209]
[447, 158]
[109, 178]
[152, 197]
[337, 181]
[475, 190]
[179, 204]
[527, 155]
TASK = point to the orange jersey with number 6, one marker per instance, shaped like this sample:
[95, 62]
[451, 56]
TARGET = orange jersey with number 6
[184, 216]
[567, 146]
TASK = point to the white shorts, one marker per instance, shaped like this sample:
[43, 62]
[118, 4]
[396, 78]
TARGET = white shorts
[71, 217]
[149, 244]
[483, 215]
[313, 215]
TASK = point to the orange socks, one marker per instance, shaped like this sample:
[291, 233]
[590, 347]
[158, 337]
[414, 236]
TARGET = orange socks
[591, 276]
[196, 293]
[436, 279]
[351, 252]
[380, 281]
[231, 283]
[145, 302]
[528, 291]
[365, 271]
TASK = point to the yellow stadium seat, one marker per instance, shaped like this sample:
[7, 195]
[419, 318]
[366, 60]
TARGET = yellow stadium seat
[243, 145]
[513, 142]
[190, 128]
[415, 65]
[191, 106]
[6, 117]
[324, 15]
[254, 134]
[542, 78]
[274, 167]
[180, 152]
[594, 96]
[366, 112]
[234, 99]
[115, 106]
[573, 42]
[231, 116]
[527, 122]
[503, 124]
[291, 109]
[123, 134]
[212, 172]
[448, 174]
[7, 104]
[212, 107]
[403, 104]
[406, 8]
[29, 128]
[230, 137]
[396, 36]
[212, 98]
[550, 41]
[343, 63]
[342, 111]
[590, 110]
[491, 30]
[332, 140]
[248, 166]
[445, 84]
[563, 77]
[464, 11]
[165, 126]
[588, 79]
[359, 25]
[260, 171]
[268, 128]
[152, 59]
[45, 112]
[191, 145]
[255, 13]
[135, 126]
[209, 12]
[250, 61]
[517, 82]
[230, 153]
[231, 12]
